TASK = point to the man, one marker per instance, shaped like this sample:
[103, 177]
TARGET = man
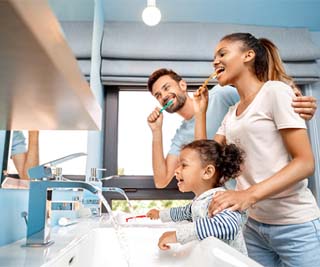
[164, 85]
[25, 157]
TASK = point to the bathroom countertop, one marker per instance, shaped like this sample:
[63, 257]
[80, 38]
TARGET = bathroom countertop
[134, 243]
[14, 254]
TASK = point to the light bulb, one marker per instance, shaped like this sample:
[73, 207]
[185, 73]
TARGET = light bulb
[151, 15]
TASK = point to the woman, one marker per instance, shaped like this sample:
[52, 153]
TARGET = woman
[283, 228]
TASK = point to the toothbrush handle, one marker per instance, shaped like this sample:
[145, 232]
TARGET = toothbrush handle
[134, 217]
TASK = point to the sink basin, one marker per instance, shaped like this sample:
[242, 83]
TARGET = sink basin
[137, 246]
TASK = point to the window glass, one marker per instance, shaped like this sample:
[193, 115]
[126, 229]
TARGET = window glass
[57, 144]
[135, 138]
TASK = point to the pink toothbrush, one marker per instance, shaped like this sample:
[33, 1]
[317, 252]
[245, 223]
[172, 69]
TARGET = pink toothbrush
[134, 217]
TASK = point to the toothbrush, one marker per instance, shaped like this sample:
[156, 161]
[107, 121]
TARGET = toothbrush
[135, 217]
[212, 76]
[170, 102]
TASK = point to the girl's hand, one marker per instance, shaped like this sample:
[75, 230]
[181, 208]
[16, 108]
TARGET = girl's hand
[231, 200]
[167, 237]
[153, 214]
[200, 100]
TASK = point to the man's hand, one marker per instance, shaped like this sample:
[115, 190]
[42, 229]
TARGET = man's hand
[153, 214]
[155, 119]
[305, 106]
[167, 237]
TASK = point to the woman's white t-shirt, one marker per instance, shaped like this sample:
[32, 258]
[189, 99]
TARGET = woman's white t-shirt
[256, 131]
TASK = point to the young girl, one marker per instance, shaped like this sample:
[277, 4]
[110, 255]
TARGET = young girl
[283, 228]
[204, 167]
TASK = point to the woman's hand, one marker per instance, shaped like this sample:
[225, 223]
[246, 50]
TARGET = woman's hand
[167, 237]
[231, 200]
[153, 214]
[200, 100]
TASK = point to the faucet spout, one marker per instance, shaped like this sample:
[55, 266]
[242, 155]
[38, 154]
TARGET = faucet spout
[38, 232]
[119, 191]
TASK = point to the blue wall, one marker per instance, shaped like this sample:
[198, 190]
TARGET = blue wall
[290, 13]
[14, 202]
[73, 9]
[314, 128]
[13, 226]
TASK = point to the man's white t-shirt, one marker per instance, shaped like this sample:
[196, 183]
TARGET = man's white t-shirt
[256, 131]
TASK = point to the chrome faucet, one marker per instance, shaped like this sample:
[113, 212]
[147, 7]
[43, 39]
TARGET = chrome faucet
[38, 232]
[45, 170]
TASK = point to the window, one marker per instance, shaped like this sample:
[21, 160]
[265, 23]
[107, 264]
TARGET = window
[134, 134]
[127, 145]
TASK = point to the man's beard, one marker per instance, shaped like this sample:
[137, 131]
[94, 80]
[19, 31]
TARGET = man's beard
[180, 102]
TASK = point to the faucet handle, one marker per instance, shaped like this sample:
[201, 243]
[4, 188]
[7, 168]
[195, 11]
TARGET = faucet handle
[57, 173]
[45, 170]
[24, 215]
[94, 172]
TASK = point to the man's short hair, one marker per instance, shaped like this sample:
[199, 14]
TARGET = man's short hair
[159, 73]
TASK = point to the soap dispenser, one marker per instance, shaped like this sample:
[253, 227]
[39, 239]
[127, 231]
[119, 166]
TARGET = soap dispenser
[90, 200]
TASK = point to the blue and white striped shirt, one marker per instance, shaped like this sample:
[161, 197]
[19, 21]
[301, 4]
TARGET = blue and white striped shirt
[226, 225]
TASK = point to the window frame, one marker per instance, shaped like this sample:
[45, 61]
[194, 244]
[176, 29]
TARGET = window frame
[6, 156]
[137, 187]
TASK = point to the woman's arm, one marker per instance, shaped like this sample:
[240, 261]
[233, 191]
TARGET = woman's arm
[200, 104]
[301, 166]
[32, 155]
[30, 158]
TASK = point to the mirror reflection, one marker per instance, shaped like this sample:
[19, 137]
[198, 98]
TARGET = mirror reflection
[31, 148]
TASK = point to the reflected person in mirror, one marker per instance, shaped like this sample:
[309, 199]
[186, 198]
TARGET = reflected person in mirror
[165, 84]
[23, 156]
[204, 167]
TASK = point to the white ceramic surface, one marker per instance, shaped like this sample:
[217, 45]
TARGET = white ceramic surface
[136, 246]
[94, 243]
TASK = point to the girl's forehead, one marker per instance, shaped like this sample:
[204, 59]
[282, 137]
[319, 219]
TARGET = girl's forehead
[188, 153]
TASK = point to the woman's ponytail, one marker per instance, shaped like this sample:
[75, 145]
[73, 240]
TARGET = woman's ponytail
[276, 70]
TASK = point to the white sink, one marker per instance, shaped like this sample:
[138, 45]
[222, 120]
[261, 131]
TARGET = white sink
[136, 246]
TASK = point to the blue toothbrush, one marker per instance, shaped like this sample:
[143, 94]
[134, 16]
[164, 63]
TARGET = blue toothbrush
[170, 102]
